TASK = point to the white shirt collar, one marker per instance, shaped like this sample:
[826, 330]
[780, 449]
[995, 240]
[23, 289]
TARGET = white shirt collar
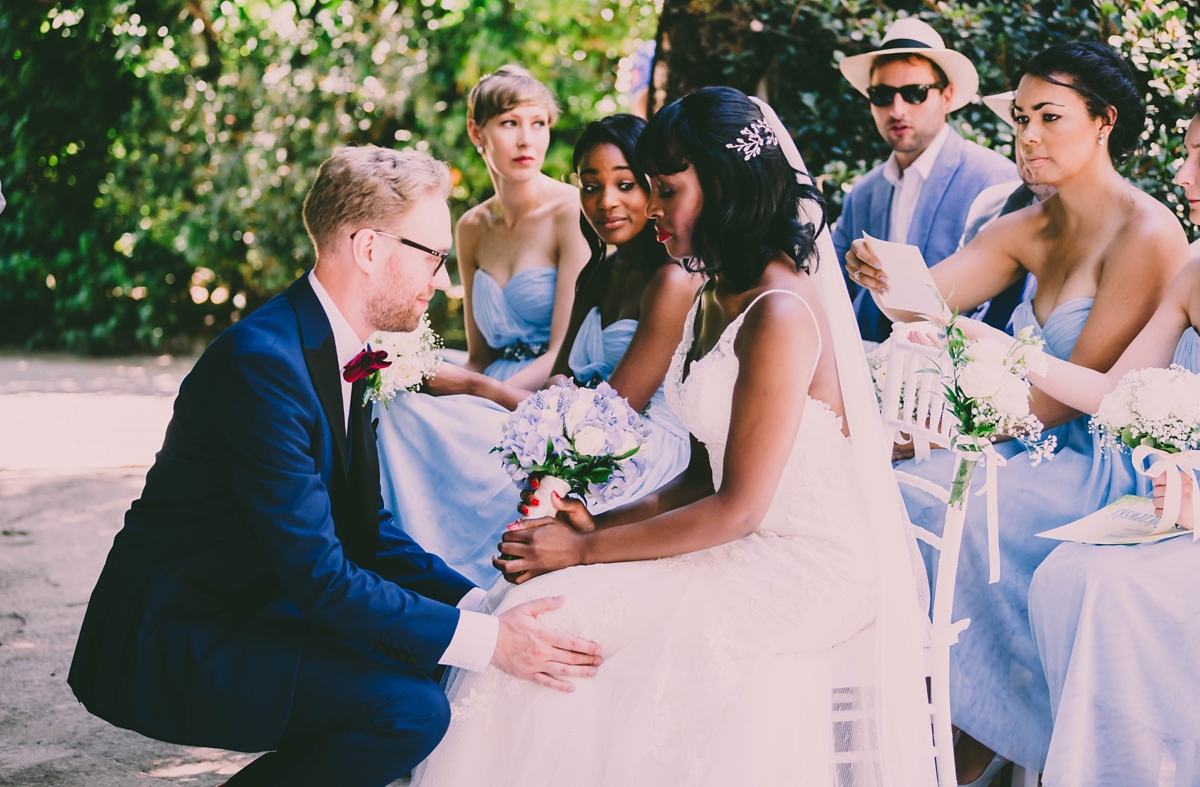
[345, 339]
[924, 163]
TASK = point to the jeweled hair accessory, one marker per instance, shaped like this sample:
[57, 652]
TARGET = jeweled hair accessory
[754, 137]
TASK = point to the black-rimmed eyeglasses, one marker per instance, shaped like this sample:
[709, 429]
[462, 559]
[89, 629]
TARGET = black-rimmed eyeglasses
[884, 95]
[441, 255]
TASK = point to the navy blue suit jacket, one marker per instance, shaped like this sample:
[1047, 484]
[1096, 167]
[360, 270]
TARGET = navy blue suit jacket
[233, 558]
[961, 170]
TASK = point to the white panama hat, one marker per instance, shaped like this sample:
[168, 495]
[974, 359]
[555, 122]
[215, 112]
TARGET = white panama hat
[913, 35]
[1001, 104]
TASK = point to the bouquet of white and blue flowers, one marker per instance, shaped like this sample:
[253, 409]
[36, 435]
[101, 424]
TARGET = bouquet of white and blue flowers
[582, 440]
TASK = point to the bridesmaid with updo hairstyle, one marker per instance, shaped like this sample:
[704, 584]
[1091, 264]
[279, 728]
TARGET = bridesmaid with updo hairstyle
[1103, 254]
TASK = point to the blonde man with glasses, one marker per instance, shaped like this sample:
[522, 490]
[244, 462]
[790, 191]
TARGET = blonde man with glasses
[260, 597]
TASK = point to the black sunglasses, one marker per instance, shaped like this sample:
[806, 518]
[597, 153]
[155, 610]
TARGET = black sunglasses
[441, 255]
[884, 95]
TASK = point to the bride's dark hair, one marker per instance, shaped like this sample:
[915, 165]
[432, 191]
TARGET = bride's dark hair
[751, 204]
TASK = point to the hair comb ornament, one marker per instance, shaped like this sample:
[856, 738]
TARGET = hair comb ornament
[754, 138]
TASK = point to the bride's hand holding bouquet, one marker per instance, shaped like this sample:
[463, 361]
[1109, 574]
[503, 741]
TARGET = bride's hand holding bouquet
[559, 441]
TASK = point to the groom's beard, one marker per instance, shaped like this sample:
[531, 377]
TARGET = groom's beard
[394, 306]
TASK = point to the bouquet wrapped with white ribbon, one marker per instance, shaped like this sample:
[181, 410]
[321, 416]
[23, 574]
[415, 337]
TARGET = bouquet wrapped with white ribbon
[1155, 413]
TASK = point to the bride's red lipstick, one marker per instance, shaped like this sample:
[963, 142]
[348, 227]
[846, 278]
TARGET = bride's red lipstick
[664, 236]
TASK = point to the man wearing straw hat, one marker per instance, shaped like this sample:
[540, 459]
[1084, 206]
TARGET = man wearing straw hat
[922, 193]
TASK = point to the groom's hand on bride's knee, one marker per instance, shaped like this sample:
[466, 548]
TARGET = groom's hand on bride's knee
[528, 649]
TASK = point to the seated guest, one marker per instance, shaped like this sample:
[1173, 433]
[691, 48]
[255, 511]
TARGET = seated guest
[450, 493]
[259, 596]
[1103, 254]
[921, 194]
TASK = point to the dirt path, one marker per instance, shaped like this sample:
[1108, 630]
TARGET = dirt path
[76, 437]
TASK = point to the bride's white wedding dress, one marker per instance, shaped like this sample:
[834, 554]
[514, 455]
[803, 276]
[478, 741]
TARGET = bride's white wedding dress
[716, 668]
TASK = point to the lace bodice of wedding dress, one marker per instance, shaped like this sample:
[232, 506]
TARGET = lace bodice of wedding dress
[815, 499]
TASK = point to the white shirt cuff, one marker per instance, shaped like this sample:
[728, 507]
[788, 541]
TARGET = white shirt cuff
[474, 639]
[473, 600]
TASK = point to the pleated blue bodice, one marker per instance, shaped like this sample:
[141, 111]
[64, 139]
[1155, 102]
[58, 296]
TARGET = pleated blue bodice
[515, 315]
[597, 351]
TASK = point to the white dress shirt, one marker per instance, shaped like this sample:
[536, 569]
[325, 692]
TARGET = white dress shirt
[474, 639]
[908, 184]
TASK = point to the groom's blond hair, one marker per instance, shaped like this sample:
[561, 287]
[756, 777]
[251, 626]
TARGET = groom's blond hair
[369, 187]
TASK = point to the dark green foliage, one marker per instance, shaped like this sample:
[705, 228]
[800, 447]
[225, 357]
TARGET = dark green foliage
[157, 151]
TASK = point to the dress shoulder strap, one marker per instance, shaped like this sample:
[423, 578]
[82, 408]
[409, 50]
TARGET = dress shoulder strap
[798, 297]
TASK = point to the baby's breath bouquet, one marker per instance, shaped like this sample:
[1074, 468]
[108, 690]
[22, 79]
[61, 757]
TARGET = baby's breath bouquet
[413, 358]
[1159, 408]
[581, 440]
[987, 390]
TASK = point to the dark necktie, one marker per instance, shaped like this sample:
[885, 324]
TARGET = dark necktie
[362, 480]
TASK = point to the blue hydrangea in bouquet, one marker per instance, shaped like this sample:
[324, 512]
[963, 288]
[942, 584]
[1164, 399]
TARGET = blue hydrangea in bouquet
[577, 440]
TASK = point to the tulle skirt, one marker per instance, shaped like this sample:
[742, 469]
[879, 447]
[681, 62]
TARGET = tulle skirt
[716, 672]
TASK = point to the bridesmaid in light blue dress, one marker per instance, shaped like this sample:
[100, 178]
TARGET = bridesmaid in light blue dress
[1103, 254]
[448, 491]
[519, 254]
[1118, 627]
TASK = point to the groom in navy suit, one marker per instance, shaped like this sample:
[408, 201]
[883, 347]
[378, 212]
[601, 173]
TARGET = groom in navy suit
[259, 596]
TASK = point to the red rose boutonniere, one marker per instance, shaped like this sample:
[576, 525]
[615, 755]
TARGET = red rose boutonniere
[366, 365]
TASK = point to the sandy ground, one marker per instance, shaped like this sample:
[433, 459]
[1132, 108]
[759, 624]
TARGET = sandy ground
[76, 437]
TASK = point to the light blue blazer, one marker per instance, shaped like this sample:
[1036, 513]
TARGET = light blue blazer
[961, 171]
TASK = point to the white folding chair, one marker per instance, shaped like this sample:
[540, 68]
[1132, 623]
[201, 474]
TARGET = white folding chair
[914, 405]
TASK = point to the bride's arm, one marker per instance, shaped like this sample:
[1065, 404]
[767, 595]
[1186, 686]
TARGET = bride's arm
[777, 352]
[1082, 388]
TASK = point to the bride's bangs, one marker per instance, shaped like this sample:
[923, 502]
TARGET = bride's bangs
[660, 149]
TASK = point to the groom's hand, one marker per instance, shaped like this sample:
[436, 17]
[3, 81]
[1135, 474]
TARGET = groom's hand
[530, 650]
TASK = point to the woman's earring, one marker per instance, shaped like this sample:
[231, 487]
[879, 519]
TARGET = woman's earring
[480, 149]
[1101, 140]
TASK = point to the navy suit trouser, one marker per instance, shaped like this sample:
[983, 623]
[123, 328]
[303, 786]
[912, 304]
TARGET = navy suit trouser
[357, 720]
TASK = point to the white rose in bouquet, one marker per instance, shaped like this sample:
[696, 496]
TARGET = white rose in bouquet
[590, 441]
[412, 359]
[1013, 397]
[981, 379]
[989, 352]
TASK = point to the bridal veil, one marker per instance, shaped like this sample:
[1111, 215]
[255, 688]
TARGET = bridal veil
[898, 739]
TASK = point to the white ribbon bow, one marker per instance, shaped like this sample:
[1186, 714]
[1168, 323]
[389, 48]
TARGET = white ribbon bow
[1186, 461]
[987, 455]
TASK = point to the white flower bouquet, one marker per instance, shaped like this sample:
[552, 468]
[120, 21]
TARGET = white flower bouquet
[413, 358]
[1159, 408]
[989, 395]
[1155, 414]
[583, 440]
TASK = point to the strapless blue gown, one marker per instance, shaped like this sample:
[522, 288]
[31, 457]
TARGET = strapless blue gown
[998, 693]
[438, 479]
[515, 318]
[445, 488]
[666, 452]
[1118, 632]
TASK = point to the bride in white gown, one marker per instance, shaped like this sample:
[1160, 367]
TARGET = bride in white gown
[717, 600]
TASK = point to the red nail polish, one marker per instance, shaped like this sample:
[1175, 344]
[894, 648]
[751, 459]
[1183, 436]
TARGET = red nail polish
[525, 510]
[534, 483]
[533, 501]
[514, 524]
[557, 496]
